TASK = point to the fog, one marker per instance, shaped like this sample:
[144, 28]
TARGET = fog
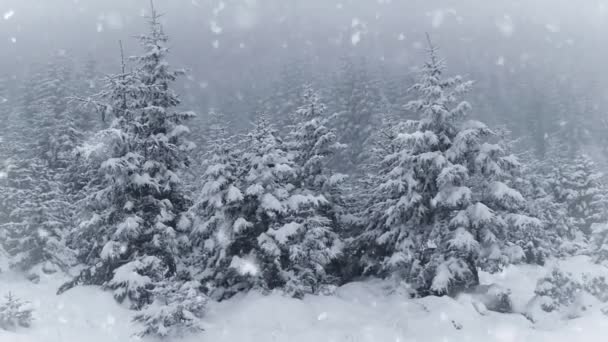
[229, 46]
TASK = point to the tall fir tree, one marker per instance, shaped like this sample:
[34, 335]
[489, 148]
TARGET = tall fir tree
[253, 257]
[269, 217]
[138, 225]
[285, 97]
[217, 214]
[357, 100]
[579, 186]
[35, 190]
[444, 204]
[318, 194]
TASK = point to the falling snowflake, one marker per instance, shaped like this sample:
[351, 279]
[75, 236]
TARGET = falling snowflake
[111, 20]
[553, 28]
[437, 18]
[355, 38]
[9, 14]
[215, 28]
[245, 17]
[220, 7]
[505, 26]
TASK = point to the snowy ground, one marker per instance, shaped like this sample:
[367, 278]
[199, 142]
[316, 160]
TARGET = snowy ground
[358, 312]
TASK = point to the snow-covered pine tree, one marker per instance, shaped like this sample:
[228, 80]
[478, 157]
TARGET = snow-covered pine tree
[252, 257]
[217, 212]
[383, 139]
[5, 94]
[557, 291]
[316, 203]
[138, 223]
[34, 193]
[578, 184]
[444, 202]
[15, 313]
[214, 126]
[177, 310]
[266, 221]
[536, 186]
[286, 91]
[357, 101]
[34, 233]
[600, 242]
[313, 143]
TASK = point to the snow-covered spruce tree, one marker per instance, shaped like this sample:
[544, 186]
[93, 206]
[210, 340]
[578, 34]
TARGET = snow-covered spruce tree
[599, 242]
[312, 144]
[316, 204]
[252, 257]
[285, 97]
[444, 203]
[217, 213]
[137, 226]
[579, 186]
[535, 185]
[5, 101]
[214, 128]
[566, 193]
[36, 226]
[357, 102]
[268, 225]
[558, 291]
[14, 313]
[177, 310]
[34, 191]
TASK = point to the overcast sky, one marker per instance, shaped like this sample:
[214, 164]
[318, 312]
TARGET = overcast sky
[222, 40]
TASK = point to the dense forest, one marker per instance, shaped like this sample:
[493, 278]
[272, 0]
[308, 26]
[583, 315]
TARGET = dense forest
[313, 179]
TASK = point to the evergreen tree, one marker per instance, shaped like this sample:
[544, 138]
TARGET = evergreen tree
[600, 242]
[444, 203]
[578, 185]
[176, 311]
[138, 224]
[38, 210]
[357, 102]
[536, 186]
[319, 197]
[286, 93]
[217, 212]
[15, 313]
[253, 256]
[269, 218]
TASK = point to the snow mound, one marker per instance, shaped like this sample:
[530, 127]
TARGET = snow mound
[371, 311]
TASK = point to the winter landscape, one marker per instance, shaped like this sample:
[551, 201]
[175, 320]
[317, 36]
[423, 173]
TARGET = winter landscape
[303, 170]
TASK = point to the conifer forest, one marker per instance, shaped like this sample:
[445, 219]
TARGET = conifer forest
[303, 170]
